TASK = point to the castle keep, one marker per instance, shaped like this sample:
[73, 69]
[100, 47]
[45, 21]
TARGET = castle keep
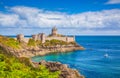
[43, 37]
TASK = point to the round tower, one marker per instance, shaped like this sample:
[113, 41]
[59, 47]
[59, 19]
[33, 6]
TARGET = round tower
[20, 37]
[54, 31]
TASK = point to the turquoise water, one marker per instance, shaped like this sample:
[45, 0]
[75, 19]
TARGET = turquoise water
[91, 62]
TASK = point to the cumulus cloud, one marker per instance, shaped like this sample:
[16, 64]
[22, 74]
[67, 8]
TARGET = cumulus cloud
[8, 19]
[113, 2]
[29, 17]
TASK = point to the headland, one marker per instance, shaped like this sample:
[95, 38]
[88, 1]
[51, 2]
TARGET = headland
[39, 45]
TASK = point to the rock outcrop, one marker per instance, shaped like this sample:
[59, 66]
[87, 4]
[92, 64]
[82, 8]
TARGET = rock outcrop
[66, 72]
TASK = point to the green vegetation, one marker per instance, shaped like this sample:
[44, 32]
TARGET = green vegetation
[10, 42]
[39, 42]
[73, 43]
[31, 42]
[10, 67]
[54, 42]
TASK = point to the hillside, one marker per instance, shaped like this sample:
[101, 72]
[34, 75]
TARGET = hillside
[10, 67]
[14, 65]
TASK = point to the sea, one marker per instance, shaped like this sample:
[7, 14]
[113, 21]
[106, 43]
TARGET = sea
[100, 59]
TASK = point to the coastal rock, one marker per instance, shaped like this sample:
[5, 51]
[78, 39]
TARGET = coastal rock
[66, 72]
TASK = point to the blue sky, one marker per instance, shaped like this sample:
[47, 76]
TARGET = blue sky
[69, 6]
[74, 17]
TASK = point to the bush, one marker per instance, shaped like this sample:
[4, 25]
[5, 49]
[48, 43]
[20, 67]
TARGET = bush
[10, 42]
[39, 42]
[31, 42]
[73, 43]
[54, 42]
[13, 68]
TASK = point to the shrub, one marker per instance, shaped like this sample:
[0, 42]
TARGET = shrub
[31, 42]
[10, 42]
[16, 69]
[54, 42]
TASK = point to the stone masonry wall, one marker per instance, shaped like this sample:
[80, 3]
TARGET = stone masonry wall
[66, 39]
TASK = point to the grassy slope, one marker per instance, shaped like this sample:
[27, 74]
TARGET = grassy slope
[10, 42]
[52, 42]
[11, 67]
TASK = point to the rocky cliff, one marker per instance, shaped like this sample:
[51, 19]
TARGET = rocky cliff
[66, 72]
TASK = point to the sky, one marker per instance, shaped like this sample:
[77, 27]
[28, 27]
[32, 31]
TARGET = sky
[71, 17]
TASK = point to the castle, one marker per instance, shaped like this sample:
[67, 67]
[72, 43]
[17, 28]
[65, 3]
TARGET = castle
[42, 37]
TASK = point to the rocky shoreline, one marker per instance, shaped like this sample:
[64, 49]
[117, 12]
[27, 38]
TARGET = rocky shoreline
[36, 51]
[66, 72]
[44, 51]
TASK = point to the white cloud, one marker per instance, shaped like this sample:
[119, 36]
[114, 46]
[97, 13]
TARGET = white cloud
[113, 2]
[21, 16]
[8, 19]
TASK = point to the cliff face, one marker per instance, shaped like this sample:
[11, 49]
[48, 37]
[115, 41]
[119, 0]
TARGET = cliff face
[35, 51]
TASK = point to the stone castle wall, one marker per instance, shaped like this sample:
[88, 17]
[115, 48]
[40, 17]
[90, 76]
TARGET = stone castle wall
[70, 39]
[43, 37]
[66, 39]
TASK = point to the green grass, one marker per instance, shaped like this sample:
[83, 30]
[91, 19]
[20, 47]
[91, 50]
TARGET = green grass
[55, 42]
[31, 42]
[10, 42]
[11, 67]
